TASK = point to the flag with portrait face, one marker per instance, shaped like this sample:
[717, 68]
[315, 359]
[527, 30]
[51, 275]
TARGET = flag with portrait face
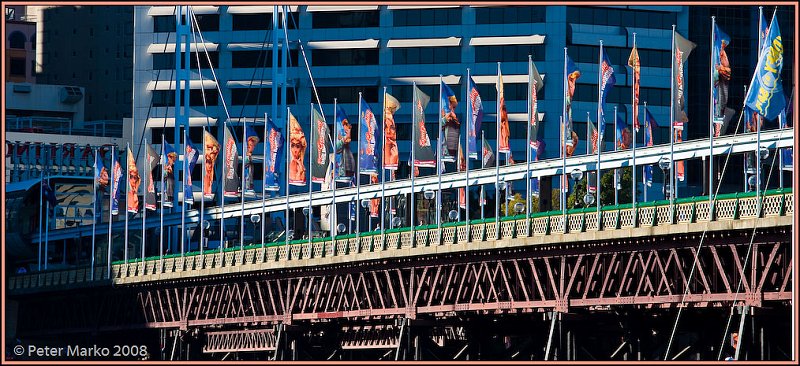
[116, 185]
[345, 163]
[448, 123]
[635, 64]
[319, 147]
[297, 152]
[153, 159]
[273, 145]
[251, 141]
[168, 159]
[210, 152]
[134, 180]
[191, 154]
[368, 137]
[230, 176]
[475, 106]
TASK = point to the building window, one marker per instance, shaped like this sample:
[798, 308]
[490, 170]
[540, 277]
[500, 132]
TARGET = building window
[619, 56]
[16, 40]
[244, 22]
[163, 98]
[258, 96]
[427, 55]
[208, 22]
[509, 53]
[251, 59]
[346, 19]
[164, 23]
[345, 57]
[510, 14]
[17, 67]
[421, 17]
[166, 61]
[348, 94]
[403, 93]
[196, 97]
[614, 17]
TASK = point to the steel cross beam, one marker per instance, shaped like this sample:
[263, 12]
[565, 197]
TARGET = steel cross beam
[642, 275]
[543, 168]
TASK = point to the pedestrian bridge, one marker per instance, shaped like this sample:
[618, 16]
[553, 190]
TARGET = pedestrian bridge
[693, 216]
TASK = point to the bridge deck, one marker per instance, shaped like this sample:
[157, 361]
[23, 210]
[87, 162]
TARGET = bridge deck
[690, 215]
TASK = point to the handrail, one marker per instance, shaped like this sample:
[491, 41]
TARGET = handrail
[728, 207]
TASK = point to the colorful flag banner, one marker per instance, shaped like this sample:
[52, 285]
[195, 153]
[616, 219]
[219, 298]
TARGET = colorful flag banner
[345, 163]
[765, 94]
[683, 47]
[488, 155]
[502, 140]
[391, 156]
[623, 133]
[591, 148]
[100, 174]
[231, 178]
[210, 152]
[375, 203]
[535, 84]
[153, 159]
[319, 147]
[48, 196]
[475, 118]
[134, 180]
[720, 76]
[461, 165]
[679, 165]
[607, 81]
[325, 211]
[572, 77]
[635, 63]
[368, 137]
[650, 122]
[168, 173]
[273, 143]
[297, 145]
[449, 126]
[251, 141]
[423, 154]
[116, 177]
[191, 154]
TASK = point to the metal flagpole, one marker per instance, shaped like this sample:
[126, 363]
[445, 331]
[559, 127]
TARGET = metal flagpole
[144, 199]
[778, 151]
[563, 139]
[600, 121]
[125, 210]
[531, 89]
[672, 189]
[383, 171]
[468, 118]
[222, 188]
[46, 227]
[648, 129]
[310, 174]
[94, 214]
[758, 170]
[439, 168]
[41, 203]
[183, 184]
[497, 162]
[334, 215]
[264, 183]
[358, 181]
[110, 214]
[711, 110]
[241, 210]
[161, 226]
[744, 130]
[202, 196]
[597, 191]
[480, 199]
[634, 123]
[413, 140]
[616, 191]
[289, 141]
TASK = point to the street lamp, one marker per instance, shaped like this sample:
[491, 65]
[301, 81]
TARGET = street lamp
[397, 222]
[453, 215]
[429, 195]
[664, 164]
[576, 175]
[341, 228]
[305, 213]
[519, 207]
[255, 219]
[588, 199]
[365, 205]
[206, 232]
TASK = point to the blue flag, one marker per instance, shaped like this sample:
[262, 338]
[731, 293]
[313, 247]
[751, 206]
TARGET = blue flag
[765, 94]
[448, 124]
[345, 163]
[273, 145]
[623, 134]
[607, 81]
[475, 118]
[191, 159]
[116, 178]
[48, 195]
[368, 136]
[721, 73]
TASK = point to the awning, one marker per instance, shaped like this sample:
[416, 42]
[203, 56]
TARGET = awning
[333, 45]
[494, 41]
[170, 10]
[193, 84]
[425, 42]
[317, 8]
[170, 47]
[250, 9]
[425, 80]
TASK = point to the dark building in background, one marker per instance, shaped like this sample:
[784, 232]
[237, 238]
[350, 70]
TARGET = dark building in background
[95, 53]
